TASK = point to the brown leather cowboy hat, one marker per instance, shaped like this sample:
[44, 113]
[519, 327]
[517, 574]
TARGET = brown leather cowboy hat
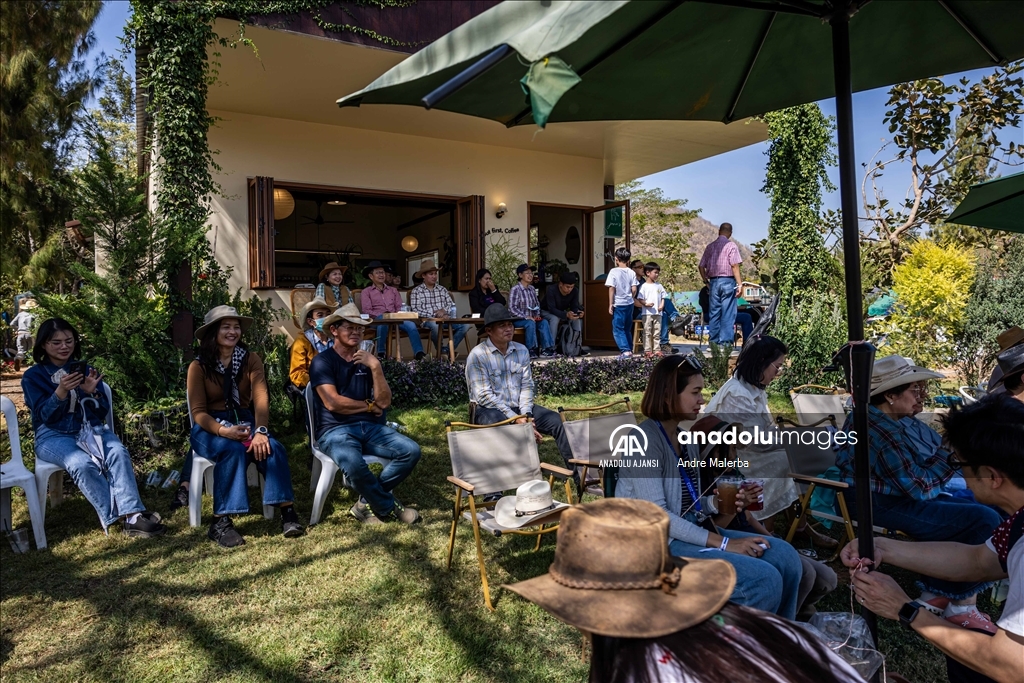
[326, 270]
[613, 575]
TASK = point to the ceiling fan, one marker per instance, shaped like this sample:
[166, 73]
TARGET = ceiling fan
[319, 219]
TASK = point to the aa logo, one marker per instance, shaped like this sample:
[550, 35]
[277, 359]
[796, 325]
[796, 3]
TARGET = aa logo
[624, 442]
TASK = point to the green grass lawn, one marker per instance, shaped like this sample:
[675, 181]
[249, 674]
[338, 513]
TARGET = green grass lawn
[343, 603]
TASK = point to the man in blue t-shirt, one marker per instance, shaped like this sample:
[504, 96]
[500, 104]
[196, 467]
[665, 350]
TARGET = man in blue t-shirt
[351, 397]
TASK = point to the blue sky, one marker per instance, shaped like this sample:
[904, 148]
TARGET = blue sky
[726, 187]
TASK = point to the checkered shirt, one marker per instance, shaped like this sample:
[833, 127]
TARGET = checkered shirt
[503, 382]
[425, 301]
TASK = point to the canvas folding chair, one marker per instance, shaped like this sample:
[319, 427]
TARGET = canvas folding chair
[489, 458]
[590, 442]
[811, 408]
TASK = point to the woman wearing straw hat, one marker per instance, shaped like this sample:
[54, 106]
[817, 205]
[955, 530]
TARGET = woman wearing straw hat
[768, 570]
[313, 340]
[230, 403]
[906, 487]
[331, 288]
[652, 617]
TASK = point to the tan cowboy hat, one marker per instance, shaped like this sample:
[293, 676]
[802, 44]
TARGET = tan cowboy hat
[314, 304]
[894, 371]
[1010, 337]
[218, 313]
[333, 265]
[425, 267]
[613, 575]
[348, 313]
[531, 504]
[29, 304]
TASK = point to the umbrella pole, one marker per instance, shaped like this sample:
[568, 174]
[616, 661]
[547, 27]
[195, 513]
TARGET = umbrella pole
[861, 354]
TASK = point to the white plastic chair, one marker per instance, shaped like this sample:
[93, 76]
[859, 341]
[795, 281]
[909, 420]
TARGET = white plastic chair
[50, 477]
[202, 472]
[324, 469]
[971, 394]
[14, 473]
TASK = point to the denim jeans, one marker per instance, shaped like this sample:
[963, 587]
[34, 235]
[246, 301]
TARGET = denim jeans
[668, 314]
[112, 491]
[554, 321]
[544, 421]
[770, 582]
[460, 332]
[622, 321]
[941, 519]
[722, 319]
[408, 326]
[746, 323]
[346, 445]
[534, 329]
[230, 462]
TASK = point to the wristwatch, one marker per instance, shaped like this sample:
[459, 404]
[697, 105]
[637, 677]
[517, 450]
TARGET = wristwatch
[370, 405]
[263, 431]
[909, 612]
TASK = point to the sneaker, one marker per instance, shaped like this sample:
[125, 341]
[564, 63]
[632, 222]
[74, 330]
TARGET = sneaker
[290, 524]
[146, 526]
[547, 353]
[584, 350]
[420, 355]
[625, 354]
[180, 499]
[361, 510]
[974, 620]
[936, 605]
[533, 353]
[223, 533]
[399, 513]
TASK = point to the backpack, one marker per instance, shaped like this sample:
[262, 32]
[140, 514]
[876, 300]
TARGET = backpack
[570, 340]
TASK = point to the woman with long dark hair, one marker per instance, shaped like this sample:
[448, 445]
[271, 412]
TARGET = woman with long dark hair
[230, 403]
[69, 414]
[484, 293]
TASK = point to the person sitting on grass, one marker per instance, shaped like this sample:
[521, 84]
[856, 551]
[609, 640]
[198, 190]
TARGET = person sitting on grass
[230, 403]
[331, 288]
[987, 440]
[313, 340]
[351, 397]
[768, 569]
[906, 488]
[652, 617]
[67, 400]
[523, 303]
[379, 298]
[432, 300]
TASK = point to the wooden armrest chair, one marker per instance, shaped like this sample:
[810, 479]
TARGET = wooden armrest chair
[491, 458]
[589, 440]
[812, 408]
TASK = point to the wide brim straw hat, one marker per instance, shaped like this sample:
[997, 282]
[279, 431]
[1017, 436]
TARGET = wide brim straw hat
[894, 371]
[1011, 361]
[613, 574]
[218, 313]
[349, 313]
[313, 305]
[1010, 337]
[29, 304]
[333, 265]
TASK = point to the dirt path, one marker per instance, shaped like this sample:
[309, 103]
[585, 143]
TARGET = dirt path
[10, 386]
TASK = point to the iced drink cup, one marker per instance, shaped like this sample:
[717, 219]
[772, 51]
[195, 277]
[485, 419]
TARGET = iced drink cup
[728, 487]
[753, 483]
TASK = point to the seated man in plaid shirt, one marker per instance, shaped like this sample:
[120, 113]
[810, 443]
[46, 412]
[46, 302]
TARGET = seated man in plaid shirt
[432, 300]
[501, 382]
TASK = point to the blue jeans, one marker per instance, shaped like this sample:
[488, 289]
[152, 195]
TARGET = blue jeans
[460, 332]
[532, 329]
[940, 519]
[722, 320]
[230, 462]
[745, 322]
[622, 319]
[112, 491]
[668, 314]
[346, 445]
[408, 326]
[770, 582]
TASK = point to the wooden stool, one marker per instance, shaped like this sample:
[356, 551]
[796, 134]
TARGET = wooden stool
[638, 335]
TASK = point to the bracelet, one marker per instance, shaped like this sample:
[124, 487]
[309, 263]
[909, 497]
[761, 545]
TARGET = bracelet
[725, 542]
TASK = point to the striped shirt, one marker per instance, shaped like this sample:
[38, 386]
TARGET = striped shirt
[500, 381]
[425, 300]
[523, 302]
[719, 257]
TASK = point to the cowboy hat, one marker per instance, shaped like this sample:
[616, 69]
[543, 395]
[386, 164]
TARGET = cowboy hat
[333, 265]
[894, 371]
[349, 313]
[1011, 361]
[425, 267]
[307, 310]
[613, 576]
[29, 304]
[531, 504]
[497, 313]
[1010, 337]
[374, 265]
[218, 313]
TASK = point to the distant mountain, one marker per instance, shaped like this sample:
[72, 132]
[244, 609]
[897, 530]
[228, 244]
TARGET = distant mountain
[704, 233]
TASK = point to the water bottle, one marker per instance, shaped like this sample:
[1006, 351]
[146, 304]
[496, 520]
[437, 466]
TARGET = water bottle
[172, 480]
[397, 427]
[154, 479]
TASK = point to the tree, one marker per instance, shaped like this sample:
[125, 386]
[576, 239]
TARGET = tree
[43, 84]
[658, 233]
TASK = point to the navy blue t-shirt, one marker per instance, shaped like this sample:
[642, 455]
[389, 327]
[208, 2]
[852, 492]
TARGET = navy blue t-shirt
[350, 380]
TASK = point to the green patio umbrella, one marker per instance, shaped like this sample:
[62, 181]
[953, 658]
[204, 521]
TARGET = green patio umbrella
[610, 60]
[996, 204]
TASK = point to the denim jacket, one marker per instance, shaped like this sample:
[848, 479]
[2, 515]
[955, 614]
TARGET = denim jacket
[51, 412]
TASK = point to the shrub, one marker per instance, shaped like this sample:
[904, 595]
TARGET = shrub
[427, 382]
[814, 330]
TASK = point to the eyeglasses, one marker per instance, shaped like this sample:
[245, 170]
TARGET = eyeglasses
[349, 329]
[694, 360]
[955, 463]
[780, 368]
[61, 342]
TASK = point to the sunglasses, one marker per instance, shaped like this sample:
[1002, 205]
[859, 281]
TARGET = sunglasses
[694, 360]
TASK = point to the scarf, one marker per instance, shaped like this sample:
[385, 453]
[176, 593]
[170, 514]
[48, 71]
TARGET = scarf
[1007, 535]
[315, 340]
[72, 395]
[238, 357]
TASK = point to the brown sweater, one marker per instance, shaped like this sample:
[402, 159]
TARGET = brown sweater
[206, 394]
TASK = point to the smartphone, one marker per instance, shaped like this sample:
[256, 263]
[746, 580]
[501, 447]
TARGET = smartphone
[78, 366]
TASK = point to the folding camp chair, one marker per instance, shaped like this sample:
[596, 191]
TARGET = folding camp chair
[590, 442]
[489, 458]
[811, 408]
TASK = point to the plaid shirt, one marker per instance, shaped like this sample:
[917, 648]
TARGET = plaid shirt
[720, 256]
[376, 303]
[503, 382]
[897, 469]
[425, 301]
[522, 301]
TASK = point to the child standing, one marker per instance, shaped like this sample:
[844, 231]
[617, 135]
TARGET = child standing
[653, 296]
[621, 283]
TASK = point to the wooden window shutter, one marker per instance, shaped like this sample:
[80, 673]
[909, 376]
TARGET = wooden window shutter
[261, 233]
[469, 240]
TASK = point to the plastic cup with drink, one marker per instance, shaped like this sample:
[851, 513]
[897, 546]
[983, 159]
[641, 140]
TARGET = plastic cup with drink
[248, 428]
[728, 487]
[752, 484]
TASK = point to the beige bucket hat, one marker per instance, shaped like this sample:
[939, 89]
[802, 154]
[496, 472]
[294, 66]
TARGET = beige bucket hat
[218, 313]
[348, 313]
[313, 305]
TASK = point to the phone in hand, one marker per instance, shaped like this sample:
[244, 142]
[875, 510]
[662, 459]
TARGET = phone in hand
[77, 366]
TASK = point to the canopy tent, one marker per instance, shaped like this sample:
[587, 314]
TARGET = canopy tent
[720, 61]
[882, 305]
[996, 204]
